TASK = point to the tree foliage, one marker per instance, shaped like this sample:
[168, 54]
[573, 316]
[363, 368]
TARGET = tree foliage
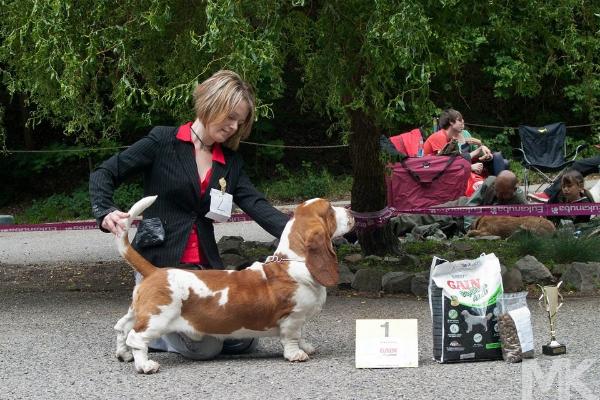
[90, 66]
[99, 68]
[96, 68]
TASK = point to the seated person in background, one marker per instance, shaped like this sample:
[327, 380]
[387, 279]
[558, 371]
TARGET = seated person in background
[452, 128]
[495, 190]
[571, 191]
[585, 166]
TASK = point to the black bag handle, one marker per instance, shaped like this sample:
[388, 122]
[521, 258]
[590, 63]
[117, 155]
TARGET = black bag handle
[416, 177]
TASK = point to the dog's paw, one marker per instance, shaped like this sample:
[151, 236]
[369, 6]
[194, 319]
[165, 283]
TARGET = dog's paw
[124, 355]
[296, 356]
[307, 347]
[149, 367]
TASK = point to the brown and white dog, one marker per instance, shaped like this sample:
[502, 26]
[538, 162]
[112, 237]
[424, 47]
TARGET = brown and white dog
[274, 298]
[504, 226]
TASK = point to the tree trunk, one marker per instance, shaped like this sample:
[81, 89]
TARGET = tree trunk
[368, 188]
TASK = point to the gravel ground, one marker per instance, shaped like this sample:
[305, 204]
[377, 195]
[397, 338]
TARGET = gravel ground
[60, 345]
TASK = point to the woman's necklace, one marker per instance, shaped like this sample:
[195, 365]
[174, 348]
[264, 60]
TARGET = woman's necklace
[203, 146]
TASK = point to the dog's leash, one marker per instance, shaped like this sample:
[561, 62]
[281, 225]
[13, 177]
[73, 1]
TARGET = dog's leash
[277, 259]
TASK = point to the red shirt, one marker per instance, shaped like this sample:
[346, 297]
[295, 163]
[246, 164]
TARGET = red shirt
[435, 143]
[192, 253]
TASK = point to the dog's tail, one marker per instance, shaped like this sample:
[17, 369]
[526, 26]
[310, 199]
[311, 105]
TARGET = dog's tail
[139, 263]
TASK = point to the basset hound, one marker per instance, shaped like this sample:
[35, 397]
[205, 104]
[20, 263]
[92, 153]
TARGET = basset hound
[274, 298]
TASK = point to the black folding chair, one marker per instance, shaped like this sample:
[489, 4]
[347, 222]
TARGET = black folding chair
[544, 152]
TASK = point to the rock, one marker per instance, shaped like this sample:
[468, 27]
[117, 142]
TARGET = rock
[346, 277]
[410, 261]
[559, 269]
[584, 277]
[7, 220]
[397, 282]
[419, 285]
[338, 241]
[534, 271]
[235, 261]
[231, 245]
[462, 246]
[367, 280]
[373, 259]
[353, 258]
[512, 281]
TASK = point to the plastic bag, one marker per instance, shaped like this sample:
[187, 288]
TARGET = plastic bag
[514, 323]
[463, 302]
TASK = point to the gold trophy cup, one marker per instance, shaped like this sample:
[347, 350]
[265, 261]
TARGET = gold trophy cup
[551, 295]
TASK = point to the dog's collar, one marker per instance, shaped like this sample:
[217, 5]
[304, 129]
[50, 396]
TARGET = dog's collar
[277, 259]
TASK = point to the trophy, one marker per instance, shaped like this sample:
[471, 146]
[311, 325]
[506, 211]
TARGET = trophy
[550, 295]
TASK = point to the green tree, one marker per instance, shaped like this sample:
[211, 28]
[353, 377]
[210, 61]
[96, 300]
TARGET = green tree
[368, 64]
[98, 68]
[375, 65]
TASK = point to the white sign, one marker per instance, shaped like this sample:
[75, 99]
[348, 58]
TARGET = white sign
[387, 343]
[221, 204]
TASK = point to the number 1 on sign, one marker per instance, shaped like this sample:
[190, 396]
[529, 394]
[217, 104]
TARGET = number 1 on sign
[382, 343]
[386, 326]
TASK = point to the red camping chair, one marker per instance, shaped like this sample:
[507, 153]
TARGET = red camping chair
[408, 142]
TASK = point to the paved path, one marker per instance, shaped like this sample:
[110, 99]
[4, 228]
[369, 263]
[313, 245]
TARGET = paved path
[24, 248]
[57, 344]
[60, 346]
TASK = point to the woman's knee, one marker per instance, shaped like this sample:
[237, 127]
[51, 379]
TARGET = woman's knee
[205, 349]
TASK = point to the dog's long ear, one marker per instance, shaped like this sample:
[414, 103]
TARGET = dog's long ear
[320, 257]
[475, 224]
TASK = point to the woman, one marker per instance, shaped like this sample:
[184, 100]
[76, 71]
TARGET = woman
[181, 165]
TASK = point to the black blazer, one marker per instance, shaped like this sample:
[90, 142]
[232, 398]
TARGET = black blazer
[170, 171]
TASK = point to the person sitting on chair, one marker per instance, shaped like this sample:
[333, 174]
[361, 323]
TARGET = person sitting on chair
[585, 166]
[572, 190]
[452, 125]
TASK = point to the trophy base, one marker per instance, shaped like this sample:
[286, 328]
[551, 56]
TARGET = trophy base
[554, 349]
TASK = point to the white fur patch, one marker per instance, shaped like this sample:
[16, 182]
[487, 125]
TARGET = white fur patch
[309, 202]
[256, 266]
[224, 296]
[344, 221]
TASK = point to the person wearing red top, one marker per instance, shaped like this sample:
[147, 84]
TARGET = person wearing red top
[483, 161]
[180, 165]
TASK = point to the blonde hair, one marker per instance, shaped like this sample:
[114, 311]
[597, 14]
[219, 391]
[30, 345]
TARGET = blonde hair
[218, 96]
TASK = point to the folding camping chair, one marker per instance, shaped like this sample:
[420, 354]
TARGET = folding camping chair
[544, 152]
[408, 142]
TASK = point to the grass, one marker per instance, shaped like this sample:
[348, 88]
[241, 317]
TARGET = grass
[307, 183]
[562, 248]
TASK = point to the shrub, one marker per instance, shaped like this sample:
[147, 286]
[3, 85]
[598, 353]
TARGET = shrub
[58, 207]
[305, 184]
[65, 207]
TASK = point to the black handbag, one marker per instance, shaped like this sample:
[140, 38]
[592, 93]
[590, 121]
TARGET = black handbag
[150, 233]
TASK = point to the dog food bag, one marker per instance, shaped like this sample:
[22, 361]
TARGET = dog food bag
[514, 322]
[462, 300]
